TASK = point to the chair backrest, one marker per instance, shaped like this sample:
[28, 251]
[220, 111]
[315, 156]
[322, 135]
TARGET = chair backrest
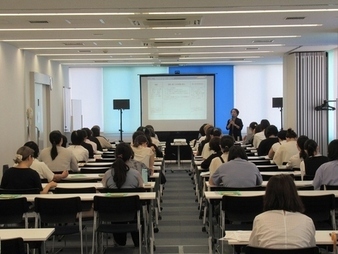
[331, 187]
[256, 250]
[60, 190]
[13, 246]
[320, 210]
[267, 177]
[306, 187]
[12, 210]
[57, 210]
[117, 209]
[242, 208]
[267, 168]
[222, 188]
[90, 170]
[125, 190]
[260, 162]
[4, 168]
[20, 191]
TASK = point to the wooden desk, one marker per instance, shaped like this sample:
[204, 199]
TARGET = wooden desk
[27, 234]
[242, 237]
[97, 185]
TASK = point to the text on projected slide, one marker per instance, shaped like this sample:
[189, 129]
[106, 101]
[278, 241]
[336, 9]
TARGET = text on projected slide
[177, 99]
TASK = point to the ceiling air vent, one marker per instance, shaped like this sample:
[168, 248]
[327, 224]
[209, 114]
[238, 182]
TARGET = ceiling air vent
[73, 43]
[84, 51]
[262, 41]
[252, 48]
[101, 61]
[164, 21]
[167, 43]
[38, 22]
[294, 18]
[236, 59]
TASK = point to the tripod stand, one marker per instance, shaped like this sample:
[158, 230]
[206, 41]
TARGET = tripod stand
[281, 118]
[121, 130]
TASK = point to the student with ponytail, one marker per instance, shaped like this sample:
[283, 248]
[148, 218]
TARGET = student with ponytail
[227, 141]
[57, 157]
[314, 160]
[121, 176]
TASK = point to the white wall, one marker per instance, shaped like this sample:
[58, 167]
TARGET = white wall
[254, 88]
[15, 67]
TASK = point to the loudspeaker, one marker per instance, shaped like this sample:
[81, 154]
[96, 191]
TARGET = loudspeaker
[121, 104]
[277, 102]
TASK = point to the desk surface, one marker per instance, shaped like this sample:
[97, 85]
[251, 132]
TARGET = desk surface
[219, 194]
[242, 237]
[90, 196]
[297, 183]
[98, 185]
[28, 234]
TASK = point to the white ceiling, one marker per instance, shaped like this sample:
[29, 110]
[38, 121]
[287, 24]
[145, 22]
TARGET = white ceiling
[117, 32]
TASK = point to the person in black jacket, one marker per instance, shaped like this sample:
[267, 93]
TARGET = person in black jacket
[235, 125]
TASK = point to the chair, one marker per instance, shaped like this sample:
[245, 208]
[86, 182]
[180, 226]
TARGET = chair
[240, 209]
[321, 209]
[261, 162]
[222, 188]
[92, 170]
[86, 205]
[267, 177]
[60, 213]
[306, 187]
[110, 212]
[12, 210]
[13, 246]
[267, 168]
[4, 168]
[256, 250]
[125, 190]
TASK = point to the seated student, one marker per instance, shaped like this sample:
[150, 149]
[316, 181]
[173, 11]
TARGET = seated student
[147, 133]
[105, 144]
[259, 136]
[121, 176]
[42, 168]
[200, 137]
[227, 142]
[214, 146]
[248, 139]
[288, 149]
[57, 157]
[64, 141]
[295, 160]
[282, 224]
[80, 153]
[238, 171]
[86, 145]
[208, 131]
[142, 152]
[154, 138]
[327, 173]
[314, 160]
[281, 140]
[92, 140]
[22, 176]
[271, 138]
[206, 151]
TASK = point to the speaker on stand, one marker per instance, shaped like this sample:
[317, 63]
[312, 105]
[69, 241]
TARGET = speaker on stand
[278, 103]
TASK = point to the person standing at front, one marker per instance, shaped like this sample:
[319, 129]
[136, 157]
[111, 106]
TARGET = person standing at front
[235, 125]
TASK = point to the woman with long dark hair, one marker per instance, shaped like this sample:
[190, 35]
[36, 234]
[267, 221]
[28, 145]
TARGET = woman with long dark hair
[282, 224]
[57, 157]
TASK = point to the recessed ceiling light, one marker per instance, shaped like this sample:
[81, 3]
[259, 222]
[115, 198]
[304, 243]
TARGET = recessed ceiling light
[101, 21]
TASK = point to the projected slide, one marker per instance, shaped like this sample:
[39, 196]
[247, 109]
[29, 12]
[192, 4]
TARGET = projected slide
[177, 102]
[177, 99]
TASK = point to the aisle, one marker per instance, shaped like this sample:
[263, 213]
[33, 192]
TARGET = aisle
[180, 229]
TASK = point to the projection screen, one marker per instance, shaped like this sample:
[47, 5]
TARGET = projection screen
[177, 102]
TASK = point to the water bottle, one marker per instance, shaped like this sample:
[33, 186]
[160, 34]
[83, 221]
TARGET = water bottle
[145, 175]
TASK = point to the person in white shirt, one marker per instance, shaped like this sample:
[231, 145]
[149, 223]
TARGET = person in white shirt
[282, 224]
[259, 136]
[142, 152]
[206, 152]
[41, 167]
[295, 160]
[105, 144]
[80, 153]
[286, 150]
[282, 139]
